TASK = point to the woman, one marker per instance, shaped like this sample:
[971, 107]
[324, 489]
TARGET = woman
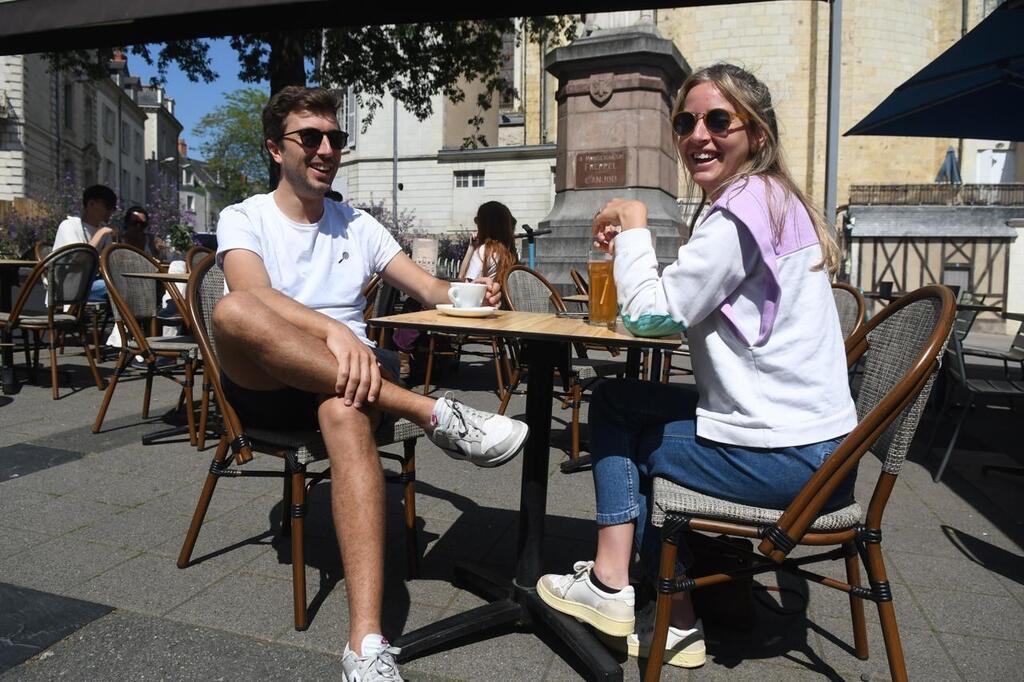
[492, 250]
[135, 233]
[751, 289]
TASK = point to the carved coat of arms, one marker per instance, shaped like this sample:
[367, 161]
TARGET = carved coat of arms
[601, 87]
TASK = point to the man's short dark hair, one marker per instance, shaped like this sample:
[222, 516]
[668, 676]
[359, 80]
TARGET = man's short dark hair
[99, 193]
[295, 98]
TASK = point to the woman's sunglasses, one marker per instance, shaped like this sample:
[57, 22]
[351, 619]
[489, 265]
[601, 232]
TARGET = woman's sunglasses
[717, 121]
[310, 138]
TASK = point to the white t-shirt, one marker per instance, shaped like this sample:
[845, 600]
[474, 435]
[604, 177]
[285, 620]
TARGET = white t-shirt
[74, 230]
[324, 265]
[476, 265]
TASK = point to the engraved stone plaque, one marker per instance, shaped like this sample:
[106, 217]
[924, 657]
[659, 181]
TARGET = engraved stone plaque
[601, 169]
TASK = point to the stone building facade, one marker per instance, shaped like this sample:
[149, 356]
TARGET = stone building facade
[784, 42]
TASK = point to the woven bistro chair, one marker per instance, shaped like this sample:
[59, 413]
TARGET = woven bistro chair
[68, 272]
[1015, 353]
[297, 449]
[195, 255]
[136, 303]
[851, 306]
[899, 350]
[528, 291]
[582, 287]
[97, 313]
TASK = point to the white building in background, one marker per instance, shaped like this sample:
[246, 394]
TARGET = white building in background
[59, 130]
[438, 180]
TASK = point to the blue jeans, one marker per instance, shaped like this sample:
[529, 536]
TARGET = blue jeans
[640, 430]
[98, 292]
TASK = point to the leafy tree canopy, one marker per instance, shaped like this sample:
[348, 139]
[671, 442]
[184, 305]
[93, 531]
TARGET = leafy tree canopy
[412, 61]
[231, 140]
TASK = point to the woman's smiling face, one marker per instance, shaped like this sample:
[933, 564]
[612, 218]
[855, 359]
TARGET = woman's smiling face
[712, 157]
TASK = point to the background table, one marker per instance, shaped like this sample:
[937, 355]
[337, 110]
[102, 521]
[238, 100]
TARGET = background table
[543, 336]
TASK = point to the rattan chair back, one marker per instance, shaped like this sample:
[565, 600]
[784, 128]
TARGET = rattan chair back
[42, 250]
[851, 306]
[527, 290]
[195, 255]
[134, 300]
[68, 272]
[579, 282]
[898, 351]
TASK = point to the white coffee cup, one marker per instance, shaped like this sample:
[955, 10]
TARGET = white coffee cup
[466, 294]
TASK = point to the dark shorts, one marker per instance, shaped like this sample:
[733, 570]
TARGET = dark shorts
[289, 408]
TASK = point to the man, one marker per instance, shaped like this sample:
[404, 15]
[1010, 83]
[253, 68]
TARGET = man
[98, 203]
[294, 352]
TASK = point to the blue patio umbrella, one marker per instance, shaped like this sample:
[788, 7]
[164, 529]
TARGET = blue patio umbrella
[975, 89]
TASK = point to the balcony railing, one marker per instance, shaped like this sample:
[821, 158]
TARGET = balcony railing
[1008, 194]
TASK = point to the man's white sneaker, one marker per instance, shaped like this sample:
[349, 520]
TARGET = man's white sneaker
[575, 595]
[683, 648]
[377, 664]
[485, 439]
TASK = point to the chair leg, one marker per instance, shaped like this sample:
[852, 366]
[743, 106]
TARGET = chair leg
[122, 360]
[185, 555]
[412, 550]
[499, 379]
[952, 441]
[148, 392]
[430, 365]
[92, 359]
[204, 412]
[886, 615]
[190, 413]
[663, 610]
[54, 385]
[666, 366]
[860, 633]
[577, 398]
[297, 512]
[513, 384]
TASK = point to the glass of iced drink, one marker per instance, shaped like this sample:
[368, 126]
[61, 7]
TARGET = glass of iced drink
[603, 302]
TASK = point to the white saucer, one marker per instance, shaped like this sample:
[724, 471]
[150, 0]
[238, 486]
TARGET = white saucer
[479, 311]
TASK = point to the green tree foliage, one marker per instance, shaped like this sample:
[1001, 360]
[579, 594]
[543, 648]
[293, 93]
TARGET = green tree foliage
[231, 140]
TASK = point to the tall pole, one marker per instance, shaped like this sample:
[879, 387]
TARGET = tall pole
[835, 34]
[394, 160]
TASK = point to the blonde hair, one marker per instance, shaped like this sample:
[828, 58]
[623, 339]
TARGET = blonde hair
[753, 104]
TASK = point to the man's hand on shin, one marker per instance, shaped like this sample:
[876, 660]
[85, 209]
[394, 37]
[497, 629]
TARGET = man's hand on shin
[358, 380]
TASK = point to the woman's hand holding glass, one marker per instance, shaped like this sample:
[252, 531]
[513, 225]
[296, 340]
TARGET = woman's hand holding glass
[614, 217]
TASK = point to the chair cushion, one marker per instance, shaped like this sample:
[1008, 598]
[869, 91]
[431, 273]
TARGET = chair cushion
[38, 319]
[168, 343]
[309, 446]
[674, 498]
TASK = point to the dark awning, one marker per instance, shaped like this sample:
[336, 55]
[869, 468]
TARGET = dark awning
[28, 26]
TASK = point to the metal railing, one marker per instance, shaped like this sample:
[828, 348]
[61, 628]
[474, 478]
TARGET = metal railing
[936, 194]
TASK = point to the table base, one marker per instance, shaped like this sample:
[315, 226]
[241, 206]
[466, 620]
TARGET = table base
[511, 605]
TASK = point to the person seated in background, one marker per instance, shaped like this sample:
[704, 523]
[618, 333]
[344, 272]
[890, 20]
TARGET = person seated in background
[135, 232]
[98, 203]
[492, 250]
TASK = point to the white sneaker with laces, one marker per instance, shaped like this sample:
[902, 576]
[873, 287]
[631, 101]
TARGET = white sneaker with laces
[574, 595]
[683, 648]
[377, 664]
[483, 438]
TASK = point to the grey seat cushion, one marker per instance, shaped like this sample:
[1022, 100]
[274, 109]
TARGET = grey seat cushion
[589, 368]
[37, 319]
[169, 343]
[671, 497]
[309, 446]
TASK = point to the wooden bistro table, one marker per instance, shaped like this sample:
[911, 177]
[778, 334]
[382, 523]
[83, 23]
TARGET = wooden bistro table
[543, 336]
[8, 279]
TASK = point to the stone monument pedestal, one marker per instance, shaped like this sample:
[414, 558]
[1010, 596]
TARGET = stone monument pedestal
[615, 94]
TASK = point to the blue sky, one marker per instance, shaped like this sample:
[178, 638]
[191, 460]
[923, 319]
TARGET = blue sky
[194, 100]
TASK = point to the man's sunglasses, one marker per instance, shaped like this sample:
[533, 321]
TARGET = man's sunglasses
[717, 121]
[310, 138]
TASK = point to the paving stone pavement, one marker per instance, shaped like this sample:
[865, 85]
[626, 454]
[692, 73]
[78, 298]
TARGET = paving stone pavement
[100, 519]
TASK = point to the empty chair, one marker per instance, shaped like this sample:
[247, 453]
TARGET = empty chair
[69, 272]
[1015, 353]
[297, 449]
[851, 306]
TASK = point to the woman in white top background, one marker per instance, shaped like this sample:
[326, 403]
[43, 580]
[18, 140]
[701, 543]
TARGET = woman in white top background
[492, 250]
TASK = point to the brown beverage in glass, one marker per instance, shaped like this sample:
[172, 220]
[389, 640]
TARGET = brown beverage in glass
[604, 304]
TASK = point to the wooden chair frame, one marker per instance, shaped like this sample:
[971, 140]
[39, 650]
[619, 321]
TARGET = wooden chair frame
[862, 542]
[236, 447]
[862, 306]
